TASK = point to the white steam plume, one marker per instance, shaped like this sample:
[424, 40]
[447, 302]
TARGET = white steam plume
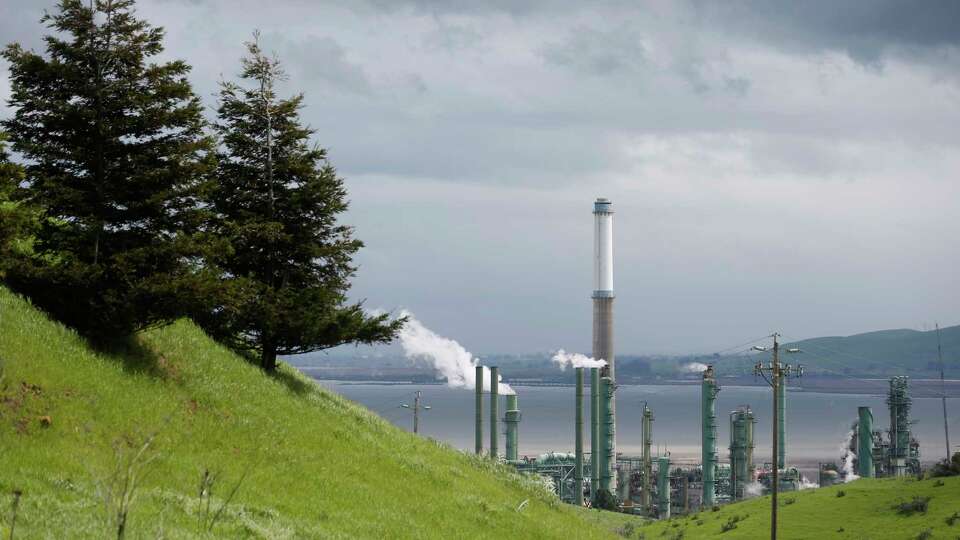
[753, 489]
[449, 358]
[564, 359]
[848, 456]
[694, 367]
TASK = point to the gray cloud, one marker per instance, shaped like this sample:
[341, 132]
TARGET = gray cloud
[807, 149]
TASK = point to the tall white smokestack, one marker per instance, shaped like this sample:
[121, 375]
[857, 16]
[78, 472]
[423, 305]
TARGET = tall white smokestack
[603, 337]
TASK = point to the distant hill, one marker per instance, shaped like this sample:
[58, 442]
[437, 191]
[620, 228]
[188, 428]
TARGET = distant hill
[886, 352]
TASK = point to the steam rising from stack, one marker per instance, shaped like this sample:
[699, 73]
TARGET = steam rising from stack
[694, 367]
[577, 360]
[449, 358]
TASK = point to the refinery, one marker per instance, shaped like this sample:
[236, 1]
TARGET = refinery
[597, 474]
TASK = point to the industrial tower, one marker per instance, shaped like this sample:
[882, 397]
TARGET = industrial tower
[603, 339]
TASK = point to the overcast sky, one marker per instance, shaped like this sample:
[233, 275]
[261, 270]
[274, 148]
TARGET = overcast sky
[786, 166]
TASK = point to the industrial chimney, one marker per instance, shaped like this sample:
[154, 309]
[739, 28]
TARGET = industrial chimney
[603, 337]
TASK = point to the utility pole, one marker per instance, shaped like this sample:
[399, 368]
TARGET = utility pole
[943, 396]
[778, 373]
[416, 411]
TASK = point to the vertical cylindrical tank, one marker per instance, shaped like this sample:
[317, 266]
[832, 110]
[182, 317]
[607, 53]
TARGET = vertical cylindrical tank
[608, 465]
[708, 435]
[578, 440]
[594, 432]
[663, 487]
[865, 442]
[741, 424]
[647, 433]
[782, 421]
[494, 428]
[478, 384]
[512, 419]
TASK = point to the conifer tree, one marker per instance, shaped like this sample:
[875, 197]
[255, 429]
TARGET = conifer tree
[277, 203]
[16, 219]
[115, 149]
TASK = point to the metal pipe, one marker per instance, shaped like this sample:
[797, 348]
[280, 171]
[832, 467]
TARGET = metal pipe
[865, 442]
[512, 419]
[708, 435]
[578, 440]
[663, 487]
[478, 383]
[494, 389]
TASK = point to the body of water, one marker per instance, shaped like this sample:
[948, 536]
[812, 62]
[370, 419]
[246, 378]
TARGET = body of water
[817, 424]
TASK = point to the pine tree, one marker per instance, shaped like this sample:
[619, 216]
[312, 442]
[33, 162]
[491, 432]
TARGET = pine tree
[16, 218]
[115, 150]
[277, 203]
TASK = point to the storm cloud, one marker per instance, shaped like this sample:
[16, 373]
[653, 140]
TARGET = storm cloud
[774, 165]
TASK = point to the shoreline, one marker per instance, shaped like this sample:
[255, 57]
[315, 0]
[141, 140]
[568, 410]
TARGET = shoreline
[919, 389]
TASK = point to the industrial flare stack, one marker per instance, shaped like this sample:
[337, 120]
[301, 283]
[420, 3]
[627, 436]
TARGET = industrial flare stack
[603, 341]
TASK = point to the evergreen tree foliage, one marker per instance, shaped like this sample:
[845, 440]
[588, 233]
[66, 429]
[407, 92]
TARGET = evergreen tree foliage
[115, 150]
[16, 219]
[277, 203]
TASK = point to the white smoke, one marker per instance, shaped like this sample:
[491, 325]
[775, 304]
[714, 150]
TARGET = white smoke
[449, 358]
[848, 456]
[807, 484]
[753, 489]
[694, 367]
[564, 359]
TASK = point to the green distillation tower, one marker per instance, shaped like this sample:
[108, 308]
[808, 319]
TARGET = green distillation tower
[865, 442]
[741, 450]
[708, 436]
[647, 464]
[663, 487]
[898, 400]
[512, 420]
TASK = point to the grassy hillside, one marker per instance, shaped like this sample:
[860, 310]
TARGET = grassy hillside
[283, 457]
[866, 511]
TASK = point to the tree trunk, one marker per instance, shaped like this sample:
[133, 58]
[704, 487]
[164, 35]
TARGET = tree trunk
[268, 357]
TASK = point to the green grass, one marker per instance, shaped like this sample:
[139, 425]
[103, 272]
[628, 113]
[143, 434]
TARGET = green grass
[867, 511]
[304, 462]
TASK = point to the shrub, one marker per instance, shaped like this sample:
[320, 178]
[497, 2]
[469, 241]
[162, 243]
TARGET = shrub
[925, 534]
[730, 525]
[951, 520]
[947, 468]
[915, 505]
[841, 493]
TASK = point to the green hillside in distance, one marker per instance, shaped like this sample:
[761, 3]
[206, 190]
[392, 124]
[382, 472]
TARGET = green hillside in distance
[191, 441]
[887, 351]
[860, 510]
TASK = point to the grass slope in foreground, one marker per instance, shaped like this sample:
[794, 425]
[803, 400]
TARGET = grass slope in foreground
[867, 510]
[75, 425]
